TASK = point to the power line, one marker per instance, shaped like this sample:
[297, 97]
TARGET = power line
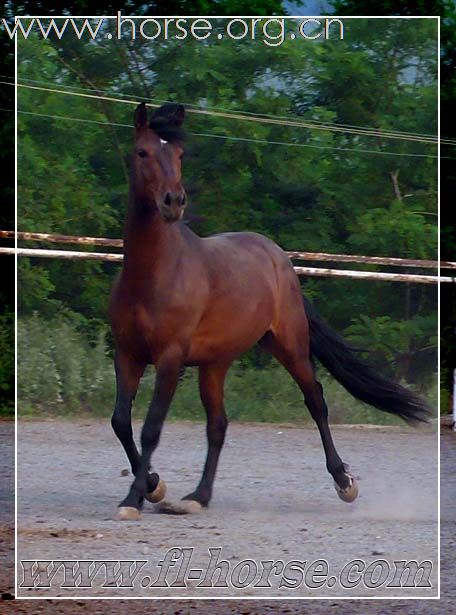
[243, 117]
[72, 119]
[340, 149]
[237, 116]
[240, 139]
[136, 98]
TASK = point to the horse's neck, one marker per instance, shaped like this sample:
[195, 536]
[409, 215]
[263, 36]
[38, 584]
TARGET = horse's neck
[150, 244]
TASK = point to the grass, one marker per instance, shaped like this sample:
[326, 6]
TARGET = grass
[61, 373]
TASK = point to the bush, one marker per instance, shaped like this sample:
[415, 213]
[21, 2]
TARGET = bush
[6, 364]
[58, 370]
[61, 372]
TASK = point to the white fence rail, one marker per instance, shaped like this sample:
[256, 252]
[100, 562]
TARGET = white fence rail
[305, 271]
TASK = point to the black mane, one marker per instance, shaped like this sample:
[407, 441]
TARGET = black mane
[166, 122]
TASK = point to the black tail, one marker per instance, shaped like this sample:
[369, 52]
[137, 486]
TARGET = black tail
[361, 380]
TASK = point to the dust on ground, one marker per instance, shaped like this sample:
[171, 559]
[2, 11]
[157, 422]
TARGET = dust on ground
[422, 459]
[273, 500]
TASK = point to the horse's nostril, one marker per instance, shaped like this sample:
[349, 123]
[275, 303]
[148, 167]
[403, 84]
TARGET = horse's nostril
[183, 200]
[168, 199]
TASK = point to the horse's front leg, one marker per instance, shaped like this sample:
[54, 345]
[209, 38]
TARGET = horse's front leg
[167, 374]
[128, 375]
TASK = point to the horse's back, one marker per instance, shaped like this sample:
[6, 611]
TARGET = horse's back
[251, 249]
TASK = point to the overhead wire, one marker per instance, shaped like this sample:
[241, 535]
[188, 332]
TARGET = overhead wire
[137, 98]
[239, 116]
[240, 139]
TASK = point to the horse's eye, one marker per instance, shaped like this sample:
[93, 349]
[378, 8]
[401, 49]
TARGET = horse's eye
[142, 153]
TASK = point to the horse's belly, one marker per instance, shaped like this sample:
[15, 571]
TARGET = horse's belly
[218, 350]
[223, 337]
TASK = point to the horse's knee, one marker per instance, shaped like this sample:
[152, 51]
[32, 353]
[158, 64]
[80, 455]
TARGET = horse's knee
[121, 423]
[315, 401]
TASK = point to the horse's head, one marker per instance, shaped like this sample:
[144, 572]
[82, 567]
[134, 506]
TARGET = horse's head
[157, 160]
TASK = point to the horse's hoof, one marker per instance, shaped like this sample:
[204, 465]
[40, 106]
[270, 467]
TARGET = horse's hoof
[158, 493]
[183, 507]
[191, 506]
[128, 513]
[350, 493]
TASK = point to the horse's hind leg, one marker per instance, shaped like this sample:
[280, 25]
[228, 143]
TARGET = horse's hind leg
[298, 363]
[211, 381]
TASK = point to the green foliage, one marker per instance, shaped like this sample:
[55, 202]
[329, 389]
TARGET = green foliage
[390, 7]
[324, 196]
[61, 372]
[131, 7]
[413, 234]
[395, 346]
[447, 11]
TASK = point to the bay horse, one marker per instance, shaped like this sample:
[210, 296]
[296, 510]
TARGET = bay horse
[182, 300]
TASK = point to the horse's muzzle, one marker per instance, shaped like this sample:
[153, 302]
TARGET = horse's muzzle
[172, 207]
[171, 214]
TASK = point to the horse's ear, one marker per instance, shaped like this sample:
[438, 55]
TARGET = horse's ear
[179, 115]
[141, 116]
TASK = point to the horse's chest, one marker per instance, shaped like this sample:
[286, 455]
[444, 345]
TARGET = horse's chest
[150, 330]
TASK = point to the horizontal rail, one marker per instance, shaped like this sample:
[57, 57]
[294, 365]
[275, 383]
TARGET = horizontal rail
[308, 271]
[370, 260]
[53, 238]
[311, 256]
[372, 275]
[65, 254]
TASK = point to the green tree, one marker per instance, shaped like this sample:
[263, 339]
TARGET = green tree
[447, 11]
[305, 188]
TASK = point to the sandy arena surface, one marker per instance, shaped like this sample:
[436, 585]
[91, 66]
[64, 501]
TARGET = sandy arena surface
[273, 501]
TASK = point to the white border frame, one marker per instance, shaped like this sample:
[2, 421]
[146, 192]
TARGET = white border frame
[238, 598]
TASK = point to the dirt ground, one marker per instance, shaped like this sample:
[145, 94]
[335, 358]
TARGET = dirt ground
[273, 500]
